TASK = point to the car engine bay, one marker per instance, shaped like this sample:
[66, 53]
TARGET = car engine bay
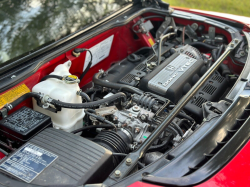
[85, 133]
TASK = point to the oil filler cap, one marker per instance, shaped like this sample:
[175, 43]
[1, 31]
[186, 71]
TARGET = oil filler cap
[71, 79]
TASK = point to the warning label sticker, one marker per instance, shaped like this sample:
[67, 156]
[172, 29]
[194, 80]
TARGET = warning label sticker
[100, 51]
[13, 94]
[27, 163]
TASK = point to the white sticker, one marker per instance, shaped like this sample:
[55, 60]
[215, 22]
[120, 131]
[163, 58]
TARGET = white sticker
[33, 151]
[100, 51]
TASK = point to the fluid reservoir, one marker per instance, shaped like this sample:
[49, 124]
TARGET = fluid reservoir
[66, 119]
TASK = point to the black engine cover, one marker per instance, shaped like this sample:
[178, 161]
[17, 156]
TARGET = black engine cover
[174, 77]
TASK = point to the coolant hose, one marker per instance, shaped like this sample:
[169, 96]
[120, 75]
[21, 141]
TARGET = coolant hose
[12, 105]
[201, 44]
[92, 104]
[23, 98]
[85, 96]
[51, 76]
[96, 79]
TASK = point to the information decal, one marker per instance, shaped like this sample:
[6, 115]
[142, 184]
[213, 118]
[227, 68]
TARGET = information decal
[100, 51]
[28, 162]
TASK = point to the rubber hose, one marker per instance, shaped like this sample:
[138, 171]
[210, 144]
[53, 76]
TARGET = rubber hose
[23, 98]
[214, 54]
[173, 130]
[201, 44]
[89, 104]
[116, 86]
[162, 145]
[85, 96]
[92, 90]
[185, 116]
[182, 122]
[51, 76]
[177, 127]
[92, 127]
[219, 52]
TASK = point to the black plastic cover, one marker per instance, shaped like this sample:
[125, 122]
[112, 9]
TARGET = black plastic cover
[79, 160]
[212, 90]
[24, 123]
[189, 76]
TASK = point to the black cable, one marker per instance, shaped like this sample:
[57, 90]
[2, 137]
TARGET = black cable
[201, 44]
[92, 127]
[76, 52]
[235, 62]
[92, 113]
[51, 76]
[96, 79]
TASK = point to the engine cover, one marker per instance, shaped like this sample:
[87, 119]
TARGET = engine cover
[174, 77]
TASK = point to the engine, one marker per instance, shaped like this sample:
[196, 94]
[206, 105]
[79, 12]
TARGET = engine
[112, 116]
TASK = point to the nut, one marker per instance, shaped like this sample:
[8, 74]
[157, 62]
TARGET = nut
[128, 161]
[117, 173]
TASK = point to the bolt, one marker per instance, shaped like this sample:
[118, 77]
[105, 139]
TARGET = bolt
[236, 41]
[137, 130]
[137, 78]
[143, 117]
[209, 103]
[117, 173]
[128, 161]
[182, 50]
[136, 108]
[242, 53]
[125, 17]
[13, 76]
[232, 45]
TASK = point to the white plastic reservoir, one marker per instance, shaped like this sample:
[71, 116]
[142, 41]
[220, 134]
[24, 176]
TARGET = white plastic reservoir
[66, 119]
